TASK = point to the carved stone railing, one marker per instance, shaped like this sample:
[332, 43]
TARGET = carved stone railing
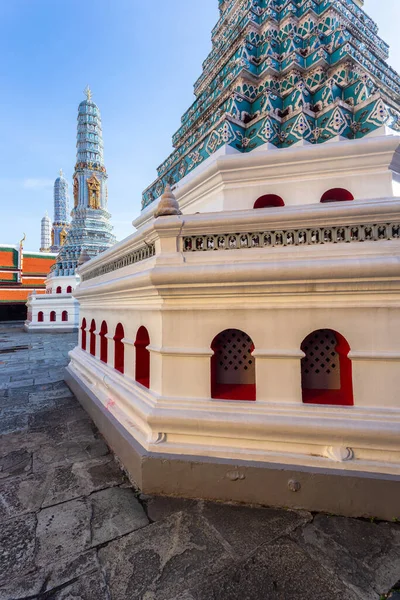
[130, 258]
[292, 237]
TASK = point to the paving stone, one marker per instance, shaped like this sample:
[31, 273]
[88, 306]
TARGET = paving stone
[21, 495]
[245, 528]
[22, 376]
[17, 547]
[89, 587]
[63, 531]
[15, 463]
[365, 555]
[50, 577]
[278, 571]
[158, 561]
[13, 423]
[18, 384]
[53, 416]
[115, 512]
[67, 452]
[159, 508]
[44, 396]
[81, 479]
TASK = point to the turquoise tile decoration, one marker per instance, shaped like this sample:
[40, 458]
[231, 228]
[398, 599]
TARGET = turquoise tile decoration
[283, 71]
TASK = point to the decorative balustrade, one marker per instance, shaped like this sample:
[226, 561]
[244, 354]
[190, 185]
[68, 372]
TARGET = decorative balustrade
[292, 237]
[130, 258]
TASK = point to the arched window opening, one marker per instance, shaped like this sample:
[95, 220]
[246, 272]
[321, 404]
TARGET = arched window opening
[53, 316]
[103, 342]
[40, 317]
[64, 316]
[83, 330]
[337, 195]
[92, 338]
[119, 349]
[58, 291]
[142, 367]
[326, 370]
[268, 201]
[69, 290]
[233, 372]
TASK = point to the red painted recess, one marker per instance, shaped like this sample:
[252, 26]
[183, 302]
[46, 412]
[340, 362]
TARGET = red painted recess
[142, 366]
[92, 338]
[119, 349]
[344, 396]
[64, 316]
[83, 330]
[268, 201]
[53, 316]
[69, 290]
[230, 347]
[58, 290]
[103, 342]
[40, 317]
[337, 195]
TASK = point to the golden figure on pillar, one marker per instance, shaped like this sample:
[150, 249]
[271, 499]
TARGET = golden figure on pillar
[94, 192]
[63, 237]
[76, 192]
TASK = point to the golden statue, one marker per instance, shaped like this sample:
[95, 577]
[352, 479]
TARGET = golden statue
[94, 192]
[52, 237]
[76, 192]
[63, 237]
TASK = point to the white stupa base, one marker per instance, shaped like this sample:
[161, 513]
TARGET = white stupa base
[57, 311]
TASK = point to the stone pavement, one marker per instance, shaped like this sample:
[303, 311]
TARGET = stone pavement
[72, 527]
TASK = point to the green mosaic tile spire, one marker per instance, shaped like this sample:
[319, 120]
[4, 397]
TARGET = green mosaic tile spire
[283, 71]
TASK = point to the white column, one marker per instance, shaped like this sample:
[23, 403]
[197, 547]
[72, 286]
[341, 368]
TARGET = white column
[278, 375]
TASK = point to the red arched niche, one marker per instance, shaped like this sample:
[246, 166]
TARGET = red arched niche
[83, 337]
[269, 200]
[142, 365]
[326, 369]
[103, 342]
[64, 316]
[92, 338]
[53, 316]
[69, 290]
[233, 373]
[337, 195]
[58, 290]
[119, 349]
[40, 317]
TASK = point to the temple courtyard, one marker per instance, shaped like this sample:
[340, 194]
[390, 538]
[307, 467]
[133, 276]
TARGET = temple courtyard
[73, 527]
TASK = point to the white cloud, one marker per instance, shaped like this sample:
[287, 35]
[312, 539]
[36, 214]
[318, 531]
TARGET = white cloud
[38, 184]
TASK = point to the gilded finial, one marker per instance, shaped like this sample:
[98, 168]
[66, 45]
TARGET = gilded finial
[23, 239]
[88, 93]
[61, 173]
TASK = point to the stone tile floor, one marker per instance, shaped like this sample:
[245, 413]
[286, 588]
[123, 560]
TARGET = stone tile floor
[72, 527]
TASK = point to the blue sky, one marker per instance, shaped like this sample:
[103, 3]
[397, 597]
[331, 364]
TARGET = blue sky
[141, 60]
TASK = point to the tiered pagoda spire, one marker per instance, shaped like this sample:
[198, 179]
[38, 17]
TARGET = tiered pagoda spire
[61, 209]
[45, 234]
[283, 72]
[90, 229]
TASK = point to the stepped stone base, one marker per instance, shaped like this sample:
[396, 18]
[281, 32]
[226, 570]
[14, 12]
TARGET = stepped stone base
[348, 493]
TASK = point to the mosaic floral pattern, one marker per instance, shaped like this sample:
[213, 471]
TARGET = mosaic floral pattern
[283, 71]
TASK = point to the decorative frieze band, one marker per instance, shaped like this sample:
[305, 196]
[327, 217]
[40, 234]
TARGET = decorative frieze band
[130, 258]
[292, 237]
